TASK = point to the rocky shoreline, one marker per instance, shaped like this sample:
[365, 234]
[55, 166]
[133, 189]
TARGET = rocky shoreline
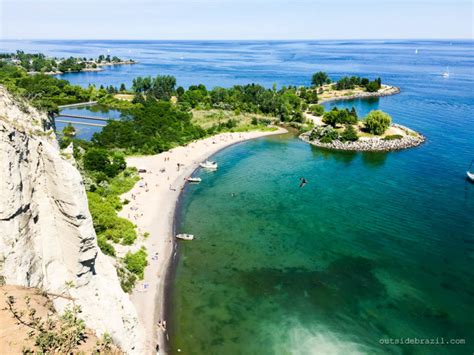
[412, 139]
[385, 91]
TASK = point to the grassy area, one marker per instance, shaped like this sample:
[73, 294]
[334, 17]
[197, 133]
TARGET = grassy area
[241, 121]
[126, 97]
[329, 91]
[117, 102]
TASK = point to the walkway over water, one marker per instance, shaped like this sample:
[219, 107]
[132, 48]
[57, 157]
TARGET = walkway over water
[105, 119]
[79, 104]
[82, 123]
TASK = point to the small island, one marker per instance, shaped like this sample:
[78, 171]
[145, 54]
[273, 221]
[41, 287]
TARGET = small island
[342, 130]
[349, 88]
[40, 63]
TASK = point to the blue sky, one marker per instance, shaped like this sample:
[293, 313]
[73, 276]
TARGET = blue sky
[235, 19]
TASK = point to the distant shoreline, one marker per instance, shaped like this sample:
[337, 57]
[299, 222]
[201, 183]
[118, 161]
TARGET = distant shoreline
[85, 70]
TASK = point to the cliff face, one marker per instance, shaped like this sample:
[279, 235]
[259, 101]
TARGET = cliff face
[47, 238]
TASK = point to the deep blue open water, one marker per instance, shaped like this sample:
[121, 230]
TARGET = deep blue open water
[375, 246]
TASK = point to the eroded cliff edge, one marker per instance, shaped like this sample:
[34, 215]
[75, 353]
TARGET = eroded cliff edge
[47, 239]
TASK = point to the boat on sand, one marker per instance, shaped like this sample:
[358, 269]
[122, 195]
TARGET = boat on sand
[194, 179]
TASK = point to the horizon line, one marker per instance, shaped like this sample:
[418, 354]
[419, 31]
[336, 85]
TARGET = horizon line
[241, 39]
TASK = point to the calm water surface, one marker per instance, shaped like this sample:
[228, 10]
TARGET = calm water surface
[375, 246]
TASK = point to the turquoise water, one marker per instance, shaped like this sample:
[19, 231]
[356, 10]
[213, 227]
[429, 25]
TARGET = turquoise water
[368, 249]
[376, 245]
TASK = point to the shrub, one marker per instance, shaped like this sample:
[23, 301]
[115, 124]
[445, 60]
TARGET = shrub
[136, 262]
[324, 134]
[53, 335]
[377, 122]
[107, 224]
[69, 131]
[349, 134]
[127, 279]
[317, 110]
[105, 246]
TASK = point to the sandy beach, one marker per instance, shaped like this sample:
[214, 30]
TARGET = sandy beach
[152, 207]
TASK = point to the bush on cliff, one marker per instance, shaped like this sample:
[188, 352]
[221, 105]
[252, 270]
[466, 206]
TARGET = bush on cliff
[136, 262]
[107, 224]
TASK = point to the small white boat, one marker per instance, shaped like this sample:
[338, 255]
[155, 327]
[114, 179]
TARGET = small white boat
[208, 164]
[470, 176]
[446, 73]
[194, 179]
[185, 236]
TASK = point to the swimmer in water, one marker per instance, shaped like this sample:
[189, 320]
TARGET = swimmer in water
[303, 181]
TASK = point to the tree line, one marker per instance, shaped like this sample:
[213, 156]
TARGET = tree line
[347, 82]
[39, 62]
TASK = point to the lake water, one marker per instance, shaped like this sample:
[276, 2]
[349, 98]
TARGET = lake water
[86, 131]
[375, 246]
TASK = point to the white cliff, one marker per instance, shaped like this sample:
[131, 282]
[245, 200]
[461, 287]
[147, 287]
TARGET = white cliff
[47, 239]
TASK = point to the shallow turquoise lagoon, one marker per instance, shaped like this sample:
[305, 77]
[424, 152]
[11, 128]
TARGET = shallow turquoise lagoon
[367, 250]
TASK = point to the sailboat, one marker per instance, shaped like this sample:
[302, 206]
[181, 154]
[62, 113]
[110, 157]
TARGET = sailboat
[470, 175]
[446, 73]
[416, 51]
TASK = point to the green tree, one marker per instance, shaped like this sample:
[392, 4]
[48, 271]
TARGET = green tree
[99, 160]
[95, 159]
[69, 131]
[163, 87]
[349, 134]
[320, 78]
[377, 122]
[336, 117]
[317, 110]
[372, 86]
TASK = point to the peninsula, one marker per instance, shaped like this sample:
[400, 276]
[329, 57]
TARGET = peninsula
[342, 129]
